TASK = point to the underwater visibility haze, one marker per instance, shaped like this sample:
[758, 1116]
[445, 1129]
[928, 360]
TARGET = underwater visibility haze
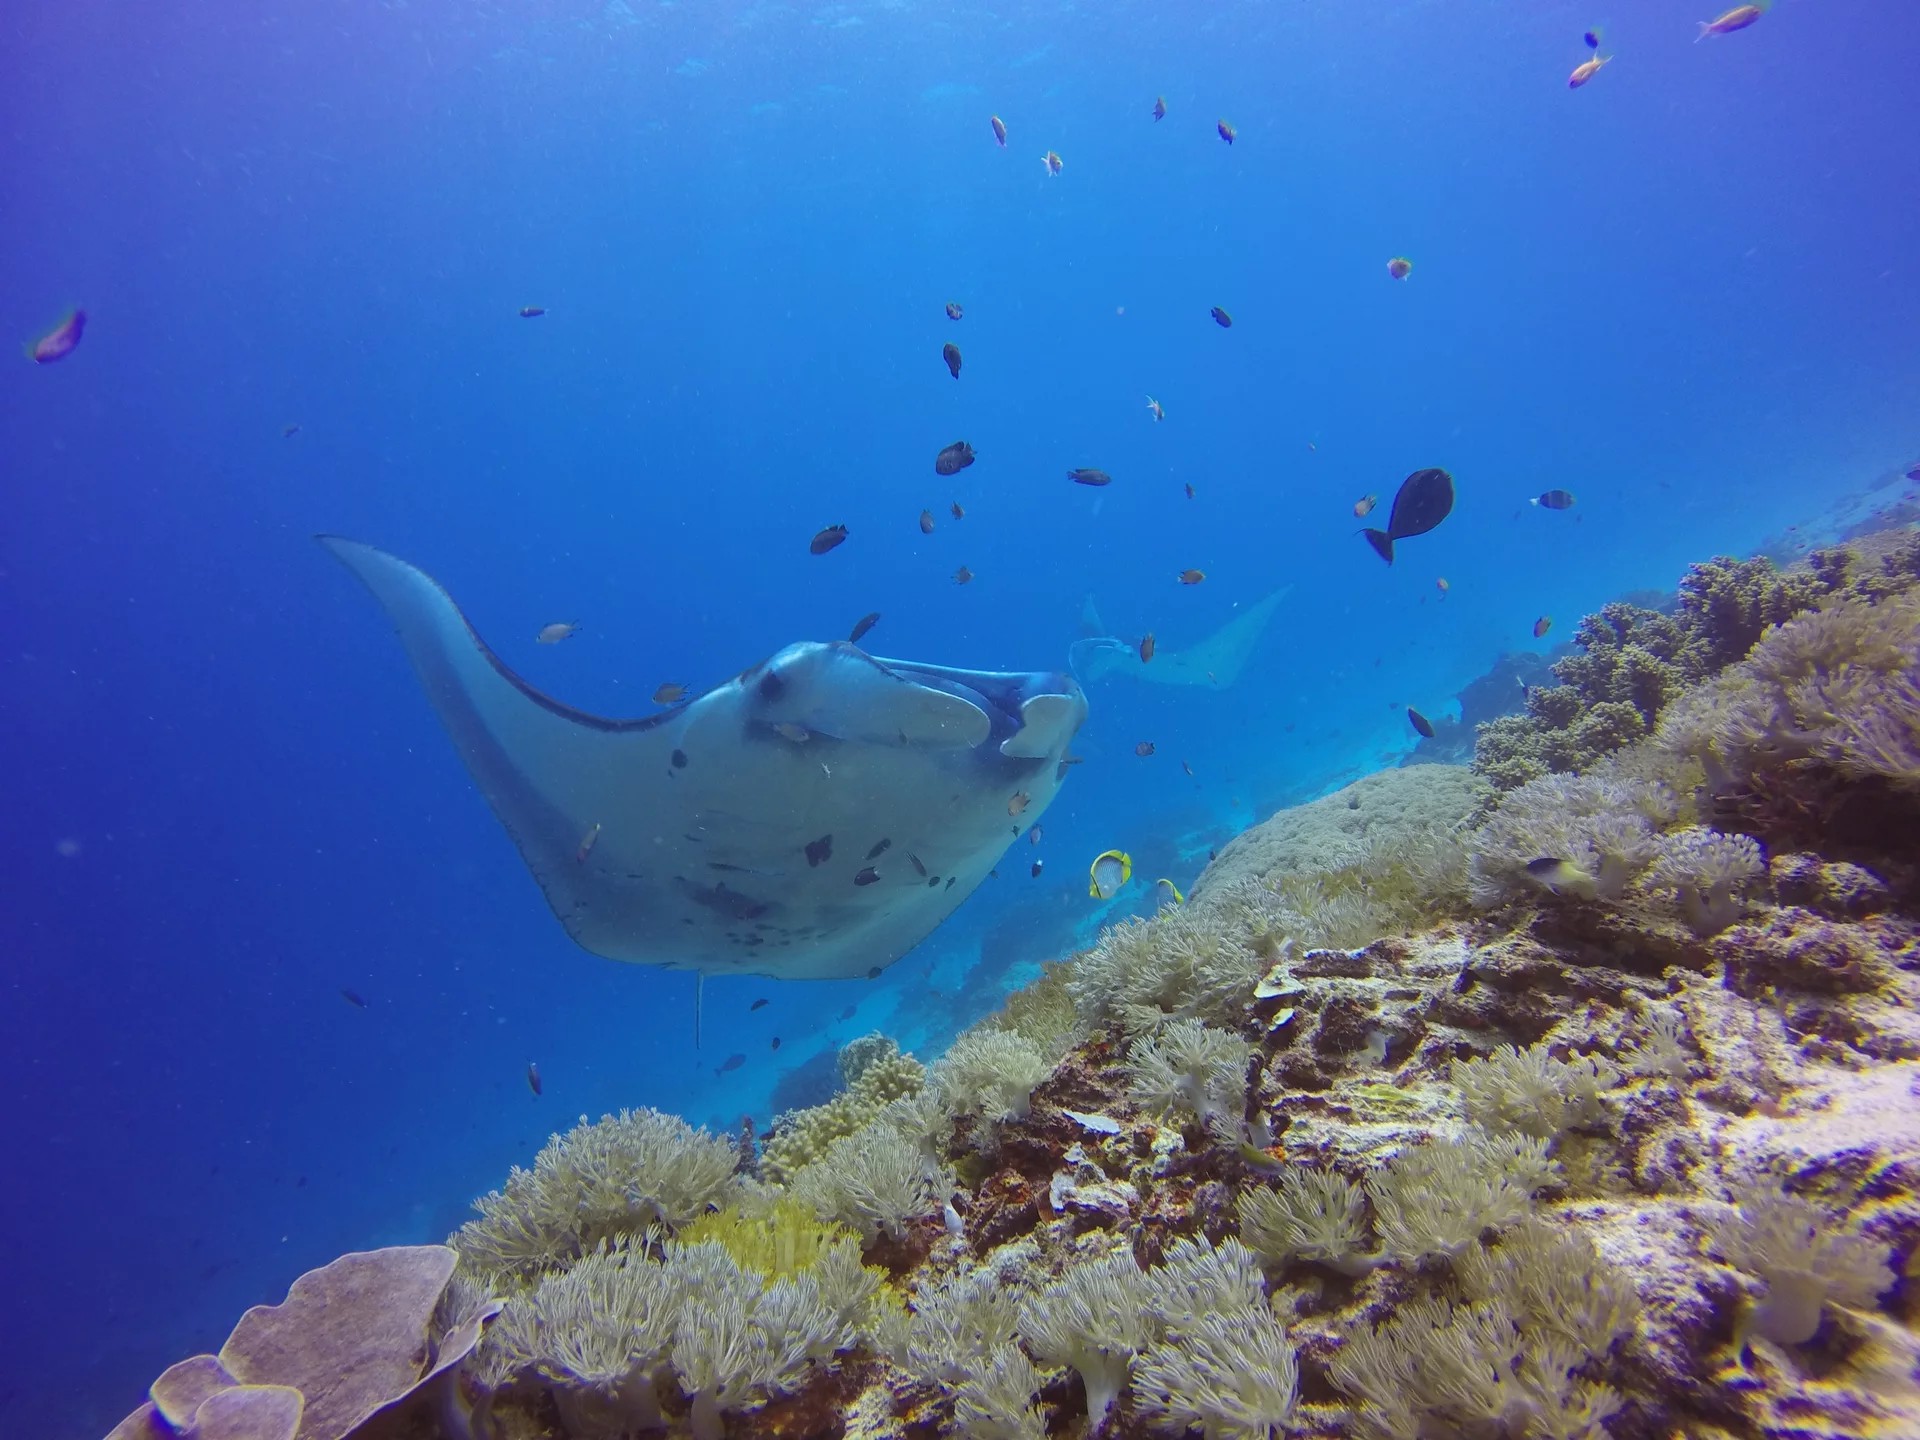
[930, 491]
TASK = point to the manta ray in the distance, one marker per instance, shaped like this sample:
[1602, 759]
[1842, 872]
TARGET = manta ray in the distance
[815, 817]
[1214, 662]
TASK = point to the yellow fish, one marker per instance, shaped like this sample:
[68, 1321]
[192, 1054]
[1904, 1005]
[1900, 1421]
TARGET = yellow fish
[1110, 870]
[1166, 893]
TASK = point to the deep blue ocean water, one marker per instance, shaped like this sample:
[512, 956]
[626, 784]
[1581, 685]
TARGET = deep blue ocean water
[1684, 292]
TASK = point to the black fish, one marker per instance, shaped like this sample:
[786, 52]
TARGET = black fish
[919, 869]
[354, 997]
[533, 1077]
[776, 1043]
[732, 1062]
[847, 1014]
[952, 460]
[827, 539]
[868, 876]
[819, 851]
[532, 312]
[1555, 500]
[1222, 318]
[757, 1004]
[951, 354]
[1038, 865]
[953, 310]
[1419, 722]
[1160, 108]
[1089, 477]
[1425, 498]
[879, 845]
[864, 624]
[874, 973]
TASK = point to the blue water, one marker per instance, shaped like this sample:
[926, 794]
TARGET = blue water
[1683, 292]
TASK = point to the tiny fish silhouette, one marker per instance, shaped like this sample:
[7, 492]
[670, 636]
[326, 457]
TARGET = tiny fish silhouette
[1143, 749]
[1542, 625]
[950, 353]
[532, 312]
[1192, 577]
[1420, 722]
[732, 1062]
[1086, 475]
[1146, 647]
[354, 998]
[999, 130]
[669, 694]
[59, 342]
[954, 312]
[963, 576]
[553, 634]
[926, 522]
[953, 459]
[1399, 267]
[868, 876]
[1221, 318]
[1160, 107]
[862, 626]
[757, 1004]
[533, 1078]
[1227, 132]
[828, 539]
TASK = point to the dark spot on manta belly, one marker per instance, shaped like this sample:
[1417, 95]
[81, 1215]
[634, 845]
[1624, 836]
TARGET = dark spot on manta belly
[679, 758]
[772, 687]
[819, 850]
[722, 901]
[879, 845]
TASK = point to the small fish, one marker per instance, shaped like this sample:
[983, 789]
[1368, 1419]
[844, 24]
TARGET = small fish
[1033, 836]
[1143, 749]
[1227, 132]
[868, 876]
[1363, 507]
[287, 432]
[954, 312]
[732, 1062]
[962, 576]
[354, 998]
[758, 1004]
[918, 867]
[669, 694]
[1221, 318]
[533, 1078]
[1053, 162]
[1146, 647]
[1110, 870]
[958, 513]
[1166, 893]
[1272, 1162]
[587, 842]
[951, 354]
[830, 538]
[926, 522]
[1420, 722]
[1160, 107]
[792, 730]
[560, 630]
[1019, 802]
[999, 130]
[1553, 500]
[1586, 70]
[862, 626]
[1441, 585]
[776, 1043]
[60, 341]
[953, 459]
[879, 847]
[1542, 625]
[1192, 577]
[1156, 409]
[1038, 866]
[1563, 877]
[1089, 476]
[1399, 267]
[847, 1014]
[1189, 769]
[532, 312]
[1592, 39]
[1189, 489]
[1737, 18]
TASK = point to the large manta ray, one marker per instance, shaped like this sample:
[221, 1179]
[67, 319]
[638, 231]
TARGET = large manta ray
[813, 818]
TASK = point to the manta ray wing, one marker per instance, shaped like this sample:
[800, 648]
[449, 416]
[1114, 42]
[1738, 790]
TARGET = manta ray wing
[814, 817]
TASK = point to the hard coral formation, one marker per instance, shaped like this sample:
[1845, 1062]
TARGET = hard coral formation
[876, 1074]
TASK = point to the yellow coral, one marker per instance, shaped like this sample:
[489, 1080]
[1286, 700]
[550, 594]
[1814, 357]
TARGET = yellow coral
[785, 1240]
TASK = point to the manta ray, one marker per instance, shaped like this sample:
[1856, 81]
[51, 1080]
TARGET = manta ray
[1214, 663]
[815, 817]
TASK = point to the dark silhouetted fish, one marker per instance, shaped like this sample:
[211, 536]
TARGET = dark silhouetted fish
[950, 353]
[60, 341]
[1089, 476]
[828, 539]
[354, 997]
[532, 312]
[926, 522]
[1160, 107]
[757, 1004]
[954, 312]
[862, 626]
[1222, 318]
[732, 1062]
[868, 876]
[999, 130]
[1419, 722]
[1425, 499]
[533, 1077]
[1554, 500]
[952, 460]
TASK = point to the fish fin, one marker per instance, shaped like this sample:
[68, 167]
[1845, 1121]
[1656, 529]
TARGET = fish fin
[1381, 542]
[1706, 27]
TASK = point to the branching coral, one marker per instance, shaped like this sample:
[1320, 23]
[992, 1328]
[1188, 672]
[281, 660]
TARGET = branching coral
[1190, 1069]
[1309, 1214]
[1709, 873]
[616, 1177]
[878, 1074]
[991, 1073]
[1532, 1092]
[1804, 1258]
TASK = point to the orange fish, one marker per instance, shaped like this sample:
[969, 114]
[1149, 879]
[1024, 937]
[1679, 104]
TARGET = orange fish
[1586, 70]
[1146, 647]
[1542, 625]
[1363, 507]
[1192, 577]
[1399, 267]
[999, 130]
[962, 575]
[1737, 18]
[1018, 802]
[926, 522]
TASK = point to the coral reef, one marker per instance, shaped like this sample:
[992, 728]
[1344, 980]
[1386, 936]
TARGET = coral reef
[1588, 1110]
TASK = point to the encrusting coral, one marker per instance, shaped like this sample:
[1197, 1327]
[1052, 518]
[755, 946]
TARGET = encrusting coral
[1601, 1122]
